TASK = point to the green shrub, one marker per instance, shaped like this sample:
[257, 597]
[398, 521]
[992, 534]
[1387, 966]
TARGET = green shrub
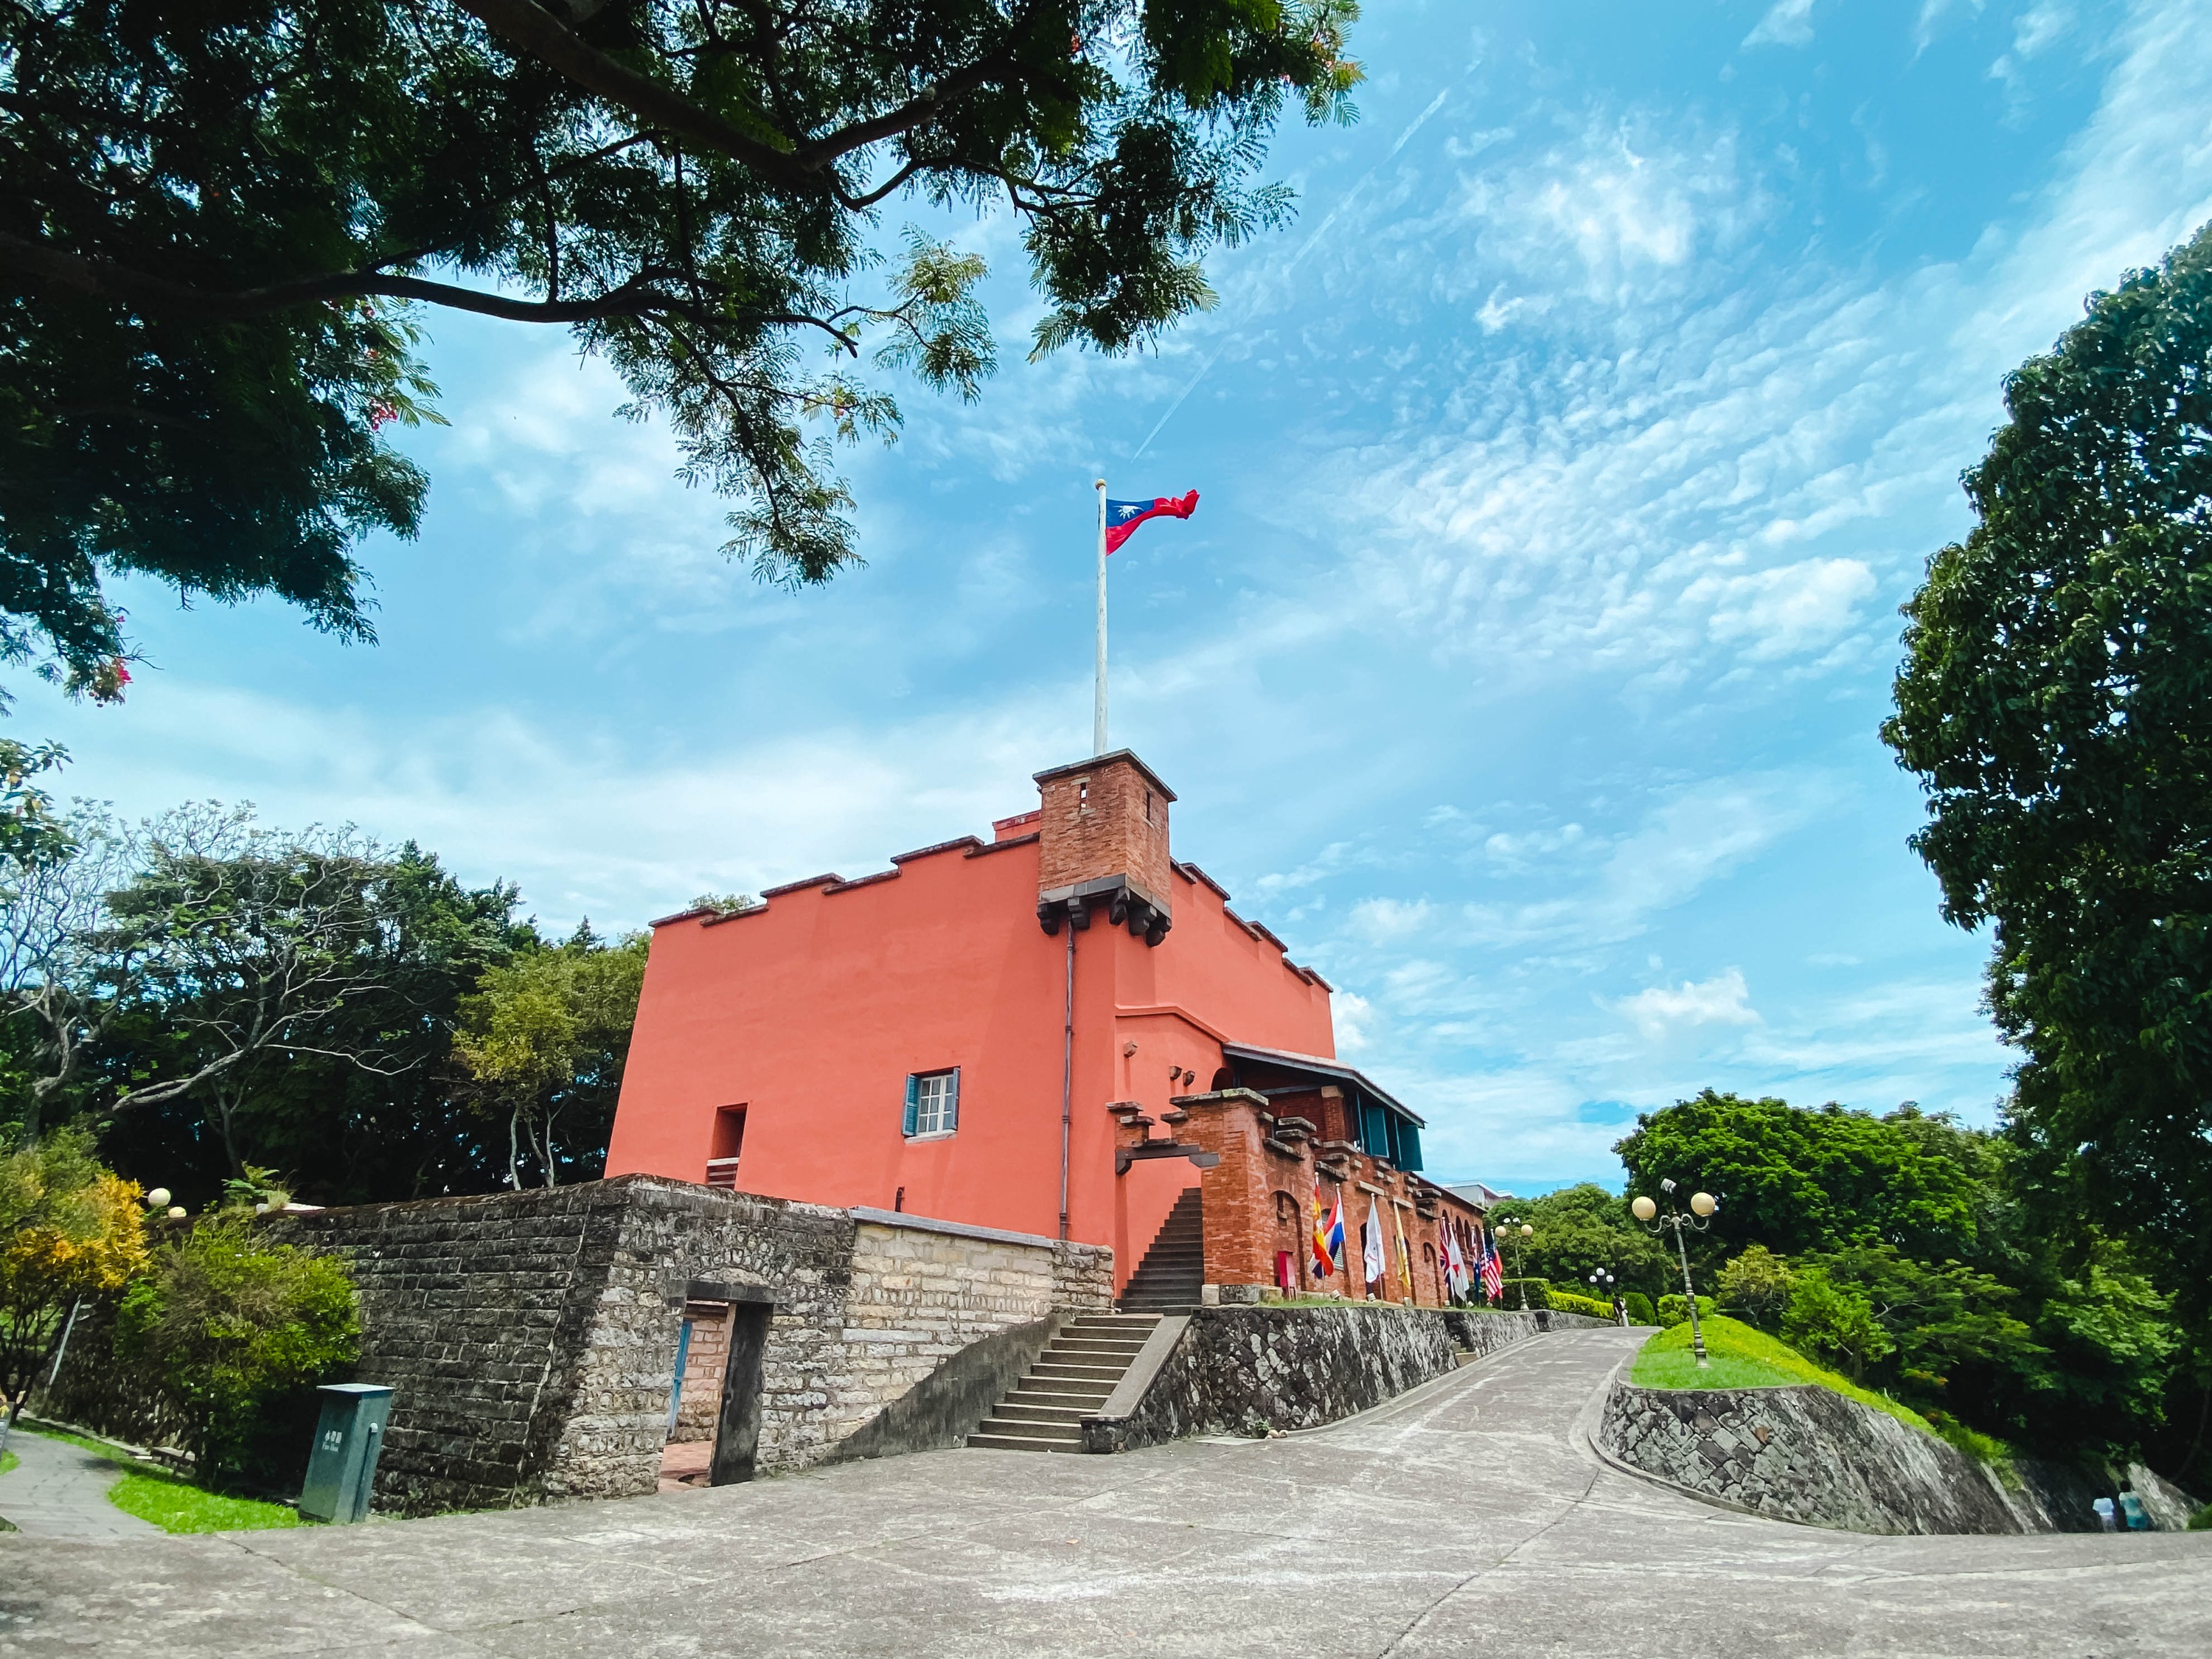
[1675, 1310]
[1568, 1301]
[1640, 1310]
[233, 1330]
[1834, 1322]
[2202, 1520]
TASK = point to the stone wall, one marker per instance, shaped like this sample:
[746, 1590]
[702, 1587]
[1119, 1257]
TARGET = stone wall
[1807, 1453]
[530, 1338]
[1241, 1370]
[1803, 1454]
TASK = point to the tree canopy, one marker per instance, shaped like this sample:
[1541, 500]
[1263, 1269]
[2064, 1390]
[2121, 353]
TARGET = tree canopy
[221, 225]
[2056, 700]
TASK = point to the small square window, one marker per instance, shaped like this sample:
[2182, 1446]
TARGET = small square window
[932, 1103]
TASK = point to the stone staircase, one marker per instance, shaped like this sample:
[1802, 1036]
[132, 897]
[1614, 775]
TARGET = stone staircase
[1072, 1377]
[1168, 1279]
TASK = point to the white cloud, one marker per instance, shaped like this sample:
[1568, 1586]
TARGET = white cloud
[1787, 23]
[1661, 1010]
[1383, 920]
[1783, 611]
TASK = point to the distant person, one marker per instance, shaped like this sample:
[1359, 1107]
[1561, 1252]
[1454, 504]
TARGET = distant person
[2104, 1508]
[2132, 1510]
[1620, 1311]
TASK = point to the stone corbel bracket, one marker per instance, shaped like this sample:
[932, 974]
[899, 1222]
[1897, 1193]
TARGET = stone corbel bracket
[1124, 903]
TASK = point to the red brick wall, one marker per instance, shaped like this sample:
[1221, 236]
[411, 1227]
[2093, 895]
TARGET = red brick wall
[1245, 1224]
[1106, 819]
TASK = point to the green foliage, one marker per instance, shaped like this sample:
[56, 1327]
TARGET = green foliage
[354, 958]
[1982, 1447]
[2056, 701]
[1675, 1310]
[227, 1325]
[2201, 1520]
[1583, 1228]
[1798, 1181]
[1756, 1285]
[1561, 1301]
[1834, 1321]
[230, 215]
[1640, 1310]
[548, 1031]
[1743, 1358]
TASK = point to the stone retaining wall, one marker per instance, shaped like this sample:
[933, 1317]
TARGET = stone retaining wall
[530, 1338]
[1808, 1453]
[1246, 1368]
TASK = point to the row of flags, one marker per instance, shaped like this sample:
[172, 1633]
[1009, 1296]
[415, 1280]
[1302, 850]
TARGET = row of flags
[1473, 1268]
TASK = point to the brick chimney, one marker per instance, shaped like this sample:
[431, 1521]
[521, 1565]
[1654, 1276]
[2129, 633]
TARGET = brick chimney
[1103, 827]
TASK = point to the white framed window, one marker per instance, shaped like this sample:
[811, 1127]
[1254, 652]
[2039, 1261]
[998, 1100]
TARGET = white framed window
[932, 1103]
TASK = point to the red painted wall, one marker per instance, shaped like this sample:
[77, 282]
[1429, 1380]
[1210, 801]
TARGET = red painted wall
[812, 1011]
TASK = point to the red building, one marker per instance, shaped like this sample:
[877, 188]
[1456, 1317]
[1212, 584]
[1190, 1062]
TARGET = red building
[992, 1033]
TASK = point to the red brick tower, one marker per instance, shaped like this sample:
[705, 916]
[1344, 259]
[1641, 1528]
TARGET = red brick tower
[1102, 826]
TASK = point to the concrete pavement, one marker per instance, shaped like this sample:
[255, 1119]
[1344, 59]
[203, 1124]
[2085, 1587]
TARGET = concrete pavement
[1466, 1516]
[60, 1490]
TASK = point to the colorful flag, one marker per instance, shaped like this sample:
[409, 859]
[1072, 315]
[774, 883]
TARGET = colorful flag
[1122, 518]
[1455, 1262]
[1370, 1239]
[1327, 1236]
[1493, 1270]
[1405, 1255]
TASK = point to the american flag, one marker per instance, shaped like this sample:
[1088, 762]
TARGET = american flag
[1492, 1270]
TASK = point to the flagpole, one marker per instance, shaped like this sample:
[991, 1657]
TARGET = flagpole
[1098, 705]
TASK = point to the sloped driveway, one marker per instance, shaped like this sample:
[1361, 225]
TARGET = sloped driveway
[1466, 1517]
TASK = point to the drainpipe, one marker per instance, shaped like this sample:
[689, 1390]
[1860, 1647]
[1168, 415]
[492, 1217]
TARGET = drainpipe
[1067, 1077]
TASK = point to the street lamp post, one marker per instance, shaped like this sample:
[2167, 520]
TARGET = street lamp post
[1702, 1206]
[1602, 1281]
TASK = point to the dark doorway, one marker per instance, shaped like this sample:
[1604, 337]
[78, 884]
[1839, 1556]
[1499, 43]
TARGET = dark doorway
[737, 1435]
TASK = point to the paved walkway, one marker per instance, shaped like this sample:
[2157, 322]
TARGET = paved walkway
[60, 1490]
[1466, 1518]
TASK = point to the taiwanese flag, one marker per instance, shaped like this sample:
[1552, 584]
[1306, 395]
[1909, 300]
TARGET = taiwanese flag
[1122, 518]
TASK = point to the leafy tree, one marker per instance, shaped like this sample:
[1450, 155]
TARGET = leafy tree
[1800, 1180]
[1756, 1284]
[343, 1131]
[228, 1324]
[68, 1228]
[2056, 700]
[550, 1032]
[226, 219]
[1584, 1227]
[1834, 1322]
[1952, 1330]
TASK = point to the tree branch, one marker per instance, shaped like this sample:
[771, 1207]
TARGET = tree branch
[108, 279]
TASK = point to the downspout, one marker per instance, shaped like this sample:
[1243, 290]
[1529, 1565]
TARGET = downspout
[1067, 1077]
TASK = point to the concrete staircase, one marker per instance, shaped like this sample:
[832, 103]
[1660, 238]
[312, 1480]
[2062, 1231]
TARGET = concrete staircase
[1168, 1279]
[1072, 1377]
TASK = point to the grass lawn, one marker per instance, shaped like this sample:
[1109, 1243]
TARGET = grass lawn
[174, 1504]
[8, 1461]
[1743, 1358]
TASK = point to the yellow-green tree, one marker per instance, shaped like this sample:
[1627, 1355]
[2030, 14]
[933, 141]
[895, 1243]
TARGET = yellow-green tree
[546, 1035]
[69, 1228]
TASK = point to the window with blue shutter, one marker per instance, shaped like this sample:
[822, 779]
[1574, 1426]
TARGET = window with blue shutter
[932, 1103]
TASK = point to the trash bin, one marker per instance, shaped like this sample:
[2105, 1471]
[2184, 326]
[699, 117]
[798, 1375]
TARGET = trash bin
[342, 1468]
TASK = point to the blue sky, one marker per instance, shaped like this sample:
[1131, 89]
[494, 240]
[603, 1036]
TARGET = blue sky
[1564, 466]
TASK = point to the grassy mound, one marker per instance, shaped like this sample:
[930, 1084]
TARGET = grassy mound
[1743, 1358]
[174, 1504]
